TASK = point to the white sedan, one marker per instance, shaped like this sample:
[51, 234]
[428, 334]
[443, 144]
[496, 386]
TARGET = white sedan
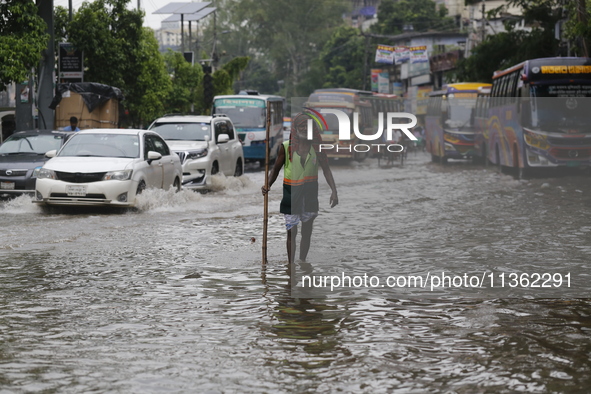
[107, 167]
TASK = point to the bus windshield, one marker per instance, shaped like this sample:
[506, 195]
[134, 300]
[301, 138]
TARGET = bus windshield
[460, 111]
[561, 90]
[561, 106]
[245, 117]
[332, 121]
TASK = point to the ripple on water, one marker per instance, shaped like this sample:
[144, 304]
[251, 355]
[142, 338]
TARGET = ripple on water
[173, 296]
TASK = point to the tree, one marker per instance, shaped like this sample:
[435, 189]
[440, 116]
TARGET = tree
[120, 52]
[22, 38]
[396, 16]
[508, 48]
[186, 81]
[342, 58]
[149, 92]
[224, 78]
[578, 26]
[290, 34]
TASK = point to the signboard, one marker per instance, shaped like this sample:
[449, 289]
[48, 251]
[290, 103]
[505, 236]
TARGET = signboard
[422, 97]
[375, 72]
[383, 82]
[419, 61]
[332, 97]
[385, 54]
[404, 70]
[401, 54]
[420, 80]
[189, 57]
[239, 102]
[71, 63]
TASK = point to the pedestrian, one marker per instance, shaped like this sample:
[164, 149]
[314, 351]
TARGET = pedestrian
[396, 140]
[300, 159]
[73, 125]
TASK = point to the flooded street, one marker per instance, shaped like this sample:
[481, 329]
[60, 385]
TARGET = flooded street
[172, 297]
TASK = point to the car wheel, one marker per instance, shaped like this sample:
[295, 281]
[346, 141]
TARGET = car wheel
[215, 168]
[141, 187]
[177, 185]
[238, 171]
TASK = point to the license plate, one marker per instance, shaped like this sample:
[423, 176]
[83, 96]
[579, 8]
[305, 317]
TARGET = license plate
[7, 185]
[76, 190]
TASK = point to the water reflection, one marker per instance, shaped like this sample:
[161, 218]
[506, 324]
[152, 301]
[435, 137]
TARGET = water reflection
[173, 298]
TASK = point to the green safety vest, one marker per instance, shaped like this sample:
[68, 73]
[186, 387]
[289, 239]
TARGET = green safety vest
[300, 183]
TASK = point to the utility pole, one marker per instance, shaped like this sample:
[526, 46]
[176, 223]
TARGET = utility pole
[483, 21]
[182, 33]
[46, 69]
[23, 115]
[582, 16]
[365, 61]
[214, 55]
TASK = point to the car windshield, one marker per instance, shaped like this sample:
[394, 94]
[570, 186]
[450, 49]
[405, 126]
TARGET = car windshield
[183, 131]
[30, 144]
[102, 145]
[245, 117]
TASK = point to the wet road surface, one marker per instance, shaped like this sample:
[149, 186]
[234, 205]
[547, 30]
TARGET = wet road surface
[172, 297]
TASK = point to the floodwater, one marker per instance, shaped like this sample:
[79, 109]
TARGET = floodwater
[172, 297]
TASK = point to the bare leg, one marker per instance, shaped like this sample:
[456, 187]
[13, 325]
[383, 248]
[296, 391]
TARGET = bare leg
[291, 243]
[306, 237]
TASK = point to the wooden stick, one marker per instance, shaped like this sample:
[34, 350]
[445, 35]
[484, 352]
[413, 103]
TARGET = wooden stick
[266, 197]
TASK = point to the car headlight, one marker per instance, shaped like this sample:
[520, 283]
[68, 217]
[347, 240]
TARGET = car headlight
[44, 173]
[122, 175]
[36, 172]
[196, 154]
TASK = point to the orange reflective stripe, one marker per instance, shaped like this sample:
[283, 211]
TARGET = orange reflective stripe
[300, 181]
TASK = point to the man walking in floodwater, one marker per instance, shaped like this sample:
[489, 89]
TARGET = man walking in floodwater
[300, 158]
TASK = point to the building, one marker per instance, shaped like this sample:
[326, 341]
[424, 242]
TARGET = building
[169, 36]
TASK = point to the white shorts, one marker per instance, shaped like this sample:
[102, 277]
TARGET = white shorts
[294, 220]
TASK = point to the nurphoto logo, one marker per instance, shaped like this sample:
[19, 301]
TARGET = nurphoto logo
[344, 125]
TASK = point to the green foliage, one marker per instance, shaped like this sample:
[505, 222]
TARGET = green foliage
[578, 26]
[22, 39]
[107, 32]
[342, 59]
[258, 75]
[119, 52]
[222, 82]
[61, 19]
[186, 82]
[150, 90]
[508, 48]
[289, 33]
[423, 15]
[235, 66]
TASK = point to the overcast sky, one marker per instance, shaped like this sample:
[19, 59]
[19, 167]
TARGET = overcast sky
[149, 6]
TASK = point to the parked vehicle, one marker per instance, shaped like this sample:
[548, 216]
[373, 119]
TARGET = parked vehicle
[107, 167]
[249, 114]
[206, 145]
[286, 128]
[449, 124]
[538, 115]
[22, 155]
[349, 101]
